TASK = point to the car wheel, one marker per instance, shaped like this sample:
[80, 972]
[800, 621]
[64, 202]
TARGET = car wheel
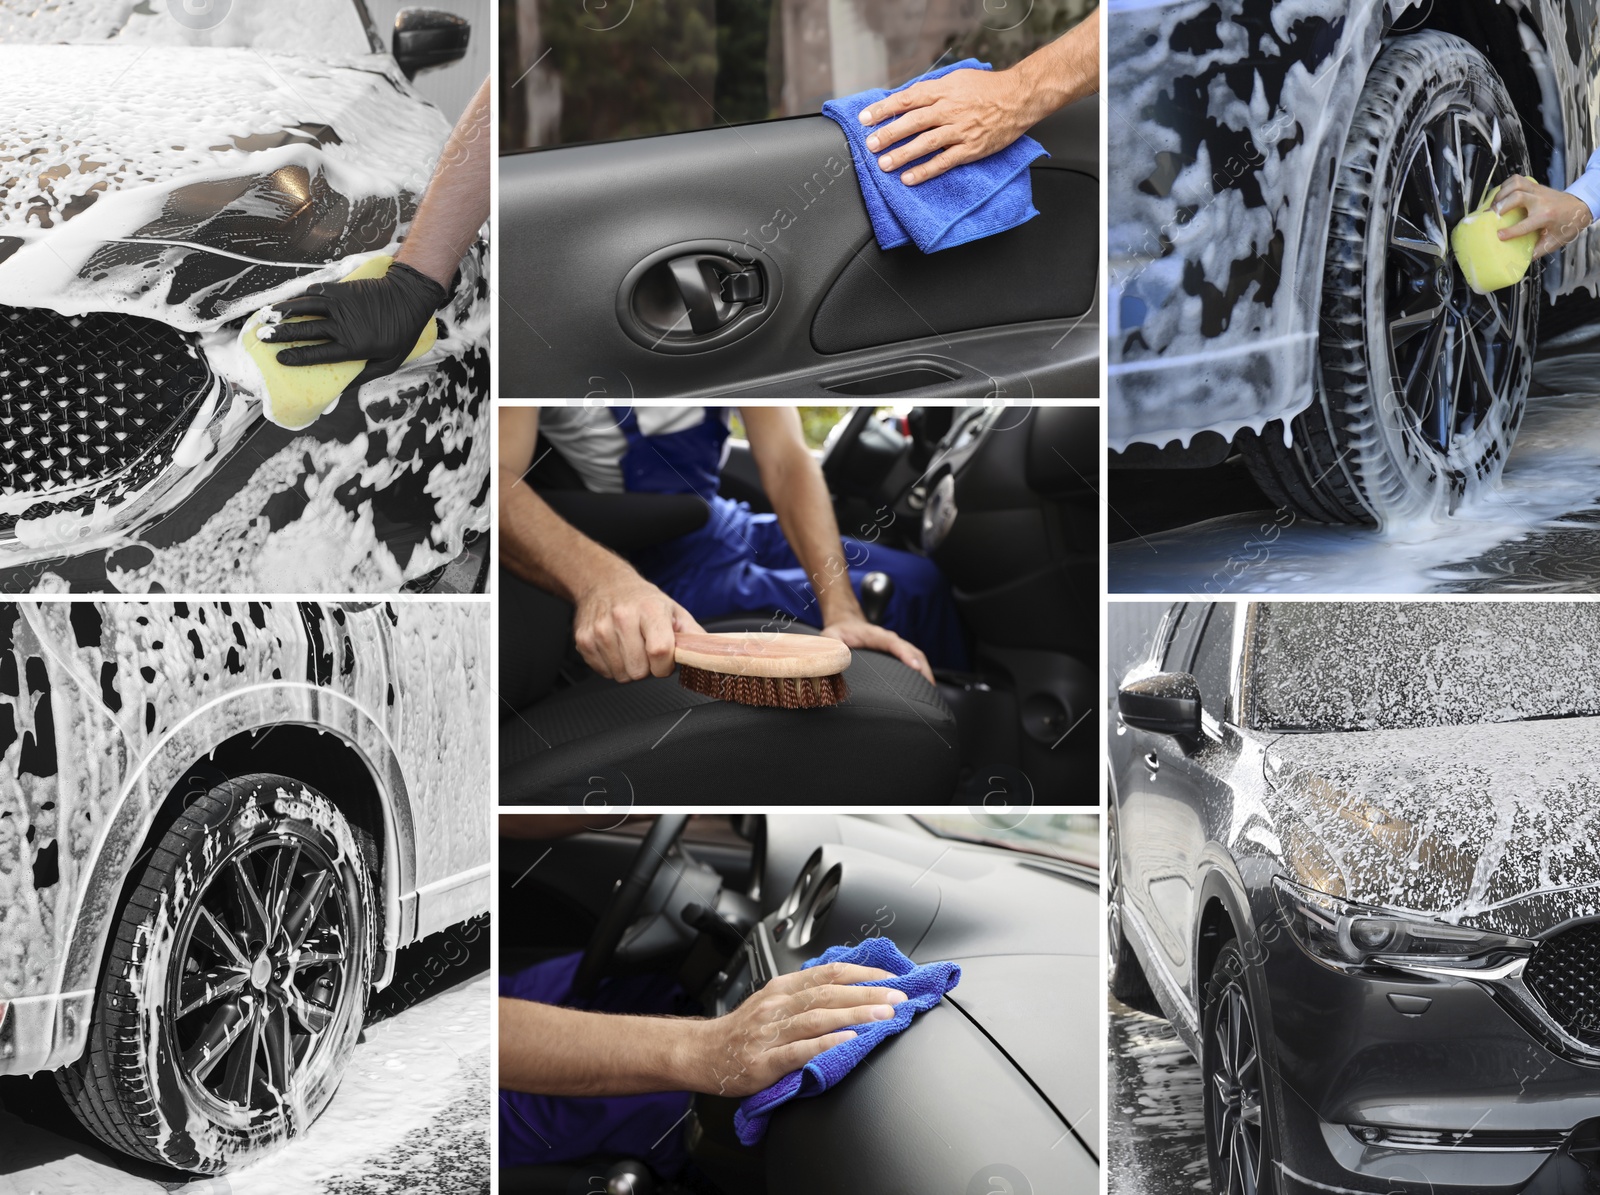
[1422, 382]
[1237, 1143]
[1125, 976]
[234, 989]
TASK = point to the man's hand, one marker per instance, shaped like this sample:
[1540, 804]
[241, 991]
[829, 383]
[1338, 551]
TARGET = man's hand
[376, 320]
[858, 632]
[782, 1027]
[967, 115]
[625, 627]
[1557, 216]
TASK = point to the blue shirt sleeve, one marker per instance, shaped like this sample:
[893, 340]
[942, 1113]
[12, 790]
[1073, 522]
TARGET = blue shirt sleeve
[1587, 186]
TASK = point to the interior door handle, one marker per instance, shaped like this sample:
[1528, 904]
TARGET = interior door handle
[714, 290]
[1151, 762]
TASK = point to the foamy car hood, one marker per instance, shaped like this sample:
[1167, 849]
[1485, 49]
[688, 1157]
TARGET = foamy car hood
[192, 185]
[1496, 826]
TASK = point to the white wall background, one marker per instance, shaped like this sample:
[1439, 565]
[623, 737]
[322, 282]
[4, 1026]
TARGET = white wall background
[449, 87]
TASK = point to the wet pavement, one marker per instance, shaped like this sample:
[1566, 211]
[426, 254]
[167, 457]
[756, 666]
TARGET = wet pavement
[1537, 532]
[1155, 1135]
[411, 1115]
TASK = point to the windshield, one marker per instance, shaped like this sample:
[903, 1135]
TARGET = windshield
[314, 28]
[1074, 837]
[1321, 666]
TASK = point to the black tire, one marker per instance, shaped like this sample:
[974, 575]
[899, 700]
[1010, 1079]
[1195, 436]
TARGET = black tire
[1233, 1070]
[1124, 976]
[1422, 384]
[278, 985]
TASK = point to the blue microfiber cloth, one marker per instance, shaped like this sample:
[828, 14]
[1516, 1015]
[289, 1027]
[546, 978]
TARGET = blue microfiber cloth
[923, 987]
[963, 204]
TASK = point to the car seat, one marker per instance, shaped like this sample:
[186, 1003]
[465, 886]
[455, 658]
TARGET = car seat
[653, 742]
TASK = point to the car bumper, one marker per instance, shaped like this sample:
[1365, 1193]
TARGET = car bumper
[43, 1033]
[297, 512]
[1373, 1087]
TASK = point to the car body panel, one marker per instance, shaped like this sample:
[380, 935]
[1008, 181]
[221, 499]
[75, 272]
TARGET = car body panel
[1014, 315]
[117, 701]
[1496, 827]
[228, 180]
[1491, 826]
[1221, 177]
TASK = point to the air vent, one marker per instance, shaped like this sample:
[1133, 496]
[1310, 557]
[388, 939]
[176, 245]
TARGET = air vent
[815, 914]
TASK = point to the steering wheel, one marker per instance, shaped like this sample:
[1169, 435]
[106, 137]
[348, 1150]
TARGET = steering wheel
[630, 894]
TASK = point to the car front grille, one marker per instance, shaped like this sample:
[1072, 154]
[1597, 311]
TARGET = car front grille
[90, 399]
[1564, 974]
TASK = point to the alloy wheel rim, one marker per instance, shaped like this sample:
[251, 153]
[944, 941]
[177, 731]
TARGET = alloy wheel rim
[1453, 354]
[260, 970]
[1236, 1093]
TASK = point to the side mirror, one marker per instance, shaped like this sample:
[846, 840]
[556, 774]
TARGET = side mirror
[1166, 703]
[428, 37]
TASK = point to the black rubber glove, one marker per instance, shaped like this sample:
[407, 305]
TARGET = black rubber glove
[376, 320]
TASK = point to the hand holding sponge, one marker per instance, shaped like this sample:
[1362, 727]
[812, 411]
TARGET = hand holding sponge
[1487, 262]
[369, 315]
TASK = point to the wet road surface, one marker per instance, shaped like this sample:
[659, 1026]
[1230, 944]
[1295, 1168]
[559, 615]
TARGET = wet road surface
[1155, 1136]
[1538, 532]
[411, 1115]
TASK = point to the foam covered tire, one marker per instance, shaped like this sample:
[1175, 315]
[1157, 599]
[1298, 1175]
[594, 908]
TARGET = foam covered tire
[1421, 383]
[234, 989]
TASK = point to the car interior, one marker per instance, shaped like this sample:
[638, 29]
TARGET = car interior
[740, 261]
[998, 497]
[727, 902]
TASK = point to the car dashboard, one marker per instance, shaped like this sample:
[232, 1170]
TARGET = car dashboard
[1000, 1078]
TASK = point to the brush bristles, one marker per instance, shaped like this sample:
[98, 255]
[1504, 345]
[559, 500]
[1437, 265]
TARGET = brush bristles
[789, 693]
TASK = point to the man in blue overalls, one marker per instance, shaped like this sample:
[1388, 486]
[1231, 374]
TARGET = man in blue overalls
[793, 561]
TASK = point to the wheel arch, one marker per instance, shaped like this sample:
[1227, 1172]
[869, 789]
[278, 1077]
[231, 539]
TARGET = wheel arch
[1223, 915]
[324, 737]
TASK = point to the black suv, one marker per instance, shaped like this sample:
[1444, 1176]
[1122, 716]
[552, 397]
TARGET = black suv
[1354, 857]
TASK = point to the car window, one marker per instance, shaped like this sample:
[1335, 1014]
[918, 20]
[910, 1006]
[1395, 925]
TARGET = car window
[611, 69]
[315, 28]
[1212, 659]
[1327, 666]
[1074, 837]
[1180, 638]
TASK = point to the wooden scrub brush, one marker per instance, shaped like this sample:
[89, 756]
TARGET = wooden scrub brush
[792, 672]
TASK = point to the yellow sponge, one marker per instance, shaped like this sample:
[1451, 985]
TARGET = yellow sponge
[294, 395]
[1488, 262]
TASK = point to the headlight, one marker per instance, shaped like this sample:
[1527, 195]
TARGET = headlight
[1350, 935]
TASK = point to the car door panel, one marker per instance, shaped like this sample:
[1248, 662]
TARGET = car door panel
[1016, 313]
[956, 290]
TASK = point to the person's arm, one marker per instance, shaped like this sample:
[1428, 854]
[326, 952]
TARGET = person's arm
[456, 203]
[623, 625]
[969, 114]
[561, 1051]
[1557, 216]
[378, 320]
[793, 483]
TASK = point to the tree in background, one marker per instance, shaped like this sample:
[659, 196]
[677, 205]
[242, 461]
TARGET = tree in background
[608, 69]
[645, 74]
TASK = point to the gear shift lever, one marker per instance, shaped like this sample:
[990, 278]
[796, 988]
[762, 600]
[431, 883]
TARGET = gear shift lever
[630, 1178]
[876, 590]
